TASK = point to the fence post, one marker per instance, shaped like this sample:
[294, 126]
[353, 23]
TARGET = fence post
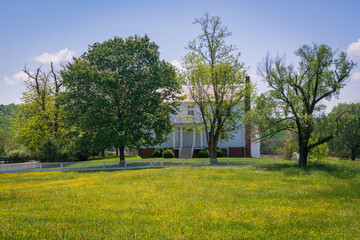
[204, 162]
[40, 166]
[125, 164]
[103, 164]
[274, 160]
[161, 162]
[183, 162]
[150, 163]
[61, 166]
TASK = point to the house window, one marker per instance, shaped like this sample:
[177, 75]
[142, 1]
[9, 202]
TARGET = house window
[191, 112]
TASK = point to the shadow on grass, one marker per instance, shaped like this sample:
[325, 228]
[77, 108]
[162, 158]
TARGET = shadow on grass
[335, 170]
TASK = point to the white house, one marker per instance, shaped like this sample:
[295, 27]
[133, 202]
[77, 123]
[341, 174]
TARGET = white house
[188, 137]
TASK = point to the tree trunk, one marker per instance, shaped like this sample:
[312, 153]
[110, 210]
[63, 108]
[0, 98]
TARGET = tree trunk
[212, 143]
[213, 156]
[122, 156]
[117, 151]
[353, 155]
[303, 155]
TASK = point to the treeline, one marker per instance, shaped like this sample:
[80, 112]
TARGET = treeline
[8, 114]
[345, 144]
[108, 97]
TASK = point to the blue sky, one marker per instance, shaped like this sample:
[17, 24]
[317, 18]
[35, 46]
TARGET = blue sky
[36, 32]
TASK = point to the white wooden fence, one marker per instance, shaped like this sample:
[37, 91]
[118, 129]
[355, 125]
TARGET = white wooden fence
[130, 164]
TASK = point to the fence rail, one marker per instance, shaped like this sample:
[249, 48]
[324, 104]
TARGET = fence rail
[130, 164]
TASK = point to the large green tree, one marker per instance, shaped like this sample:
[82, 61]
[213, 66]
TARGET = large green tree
[296, 98]
[216, 81]
[121, 93]
[346, 143]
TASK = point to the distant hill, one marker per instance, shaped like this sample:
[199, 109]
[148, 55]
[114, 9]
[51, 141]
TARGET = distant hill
[7, 115]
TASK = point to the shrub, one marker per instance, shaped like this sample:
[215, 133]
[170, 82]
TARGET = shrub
[49, 151]
[157, 153]
[168, 153]
[219, 153]
[19, 155]
[204, 153]
[290, 146]
[110, 155]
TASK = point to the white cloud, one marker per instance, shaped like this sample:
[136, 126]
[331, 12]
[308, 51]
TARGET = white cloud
[55, 57]
[176, 64]
[16, 78]
[355, 77]
[354, 49]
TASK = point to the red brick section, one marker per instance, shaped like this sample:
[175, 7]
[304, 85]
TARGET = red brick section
[236, 152]
[146, 152]
[247, 127]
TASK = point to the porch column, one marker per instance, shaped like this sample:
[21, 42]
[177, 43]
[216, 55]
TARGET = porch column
[181, 137]
[174, 132]
[201, 138]
[194, 137]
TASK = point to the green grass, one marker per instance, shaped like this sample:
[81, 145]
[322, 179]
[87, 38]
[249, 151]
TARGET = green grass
[258, 202]
[136, 161]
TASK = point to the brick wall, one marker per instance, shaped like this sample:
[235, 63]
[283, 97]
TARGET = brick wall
[146, 152]
[236, 152]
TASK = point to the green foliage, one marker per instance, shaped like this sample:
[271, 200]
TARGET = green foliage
[216, 80]
[219, 153]
[7, 115]
[49, 151]
[110, 155]
[168, 153]
[39, 115]
[319, 152]
[294, 101]
[290, 146]
[157, 153]
[121, 93]
[279, 151]
[346, 143]
[20, 154]
[203, 153]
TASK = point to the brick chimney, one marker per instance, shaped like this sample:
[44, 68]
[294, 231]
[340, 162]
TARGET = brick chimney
[247, 126]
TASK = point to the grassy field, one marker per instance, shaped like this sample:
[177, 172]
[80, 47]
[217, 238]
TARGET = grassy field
[136, 161]
[263, 202]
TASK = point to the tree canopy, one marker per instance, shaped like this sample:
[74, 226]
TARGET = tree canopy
[121, 93]
[295, 100]
[38, 116]
[216, 80]
[346, 143]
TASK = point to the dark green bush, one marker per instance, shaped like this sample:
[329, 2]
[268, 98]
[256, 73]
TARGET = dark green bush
[204, 153]
[49, 151]
[219, 153]
[157, 153]
[168, 153]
